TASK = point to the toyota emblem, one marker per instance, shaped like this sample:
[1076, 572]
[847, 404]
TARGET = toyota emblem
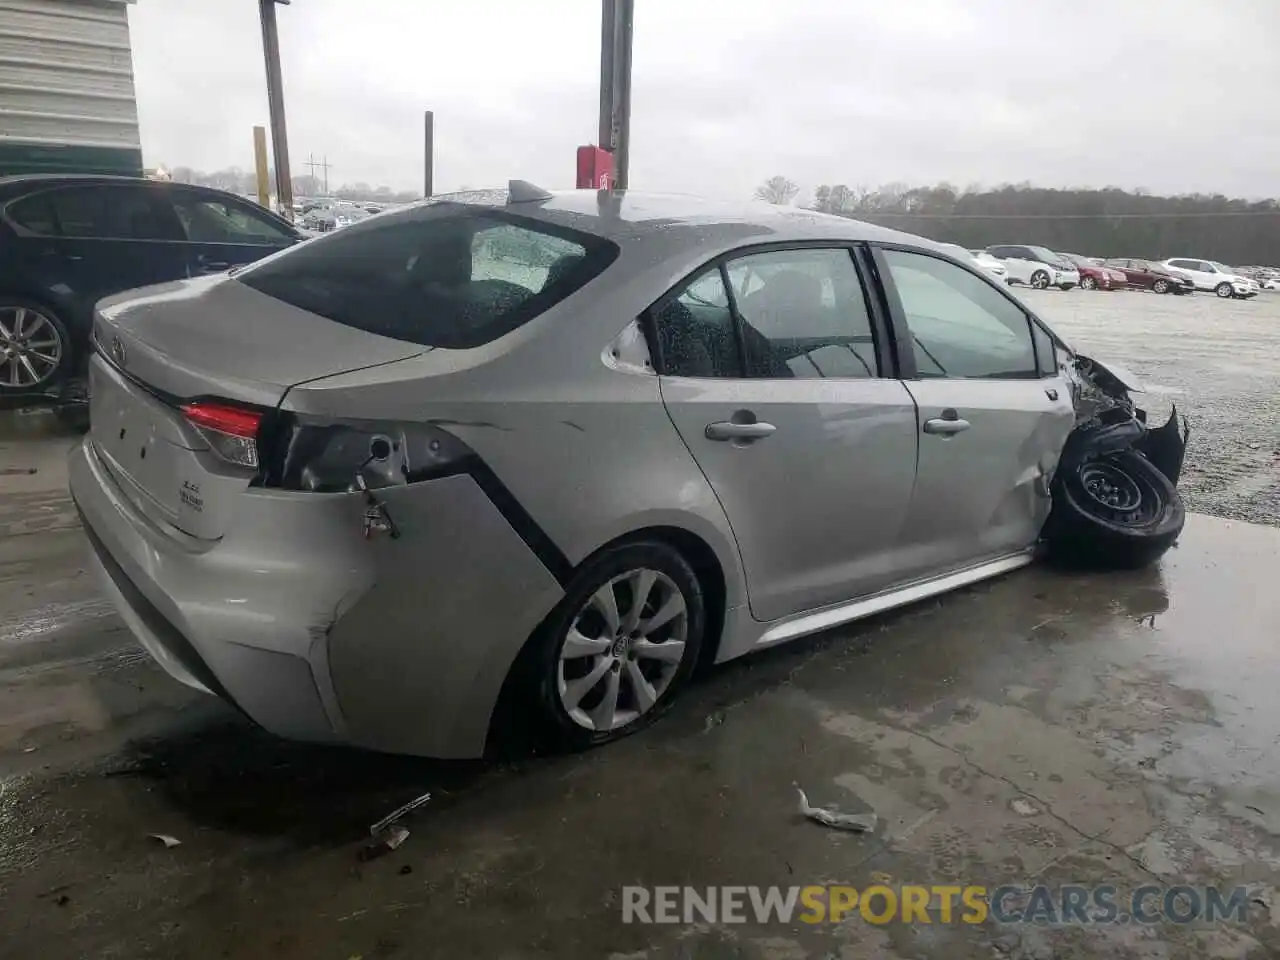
[117, 351]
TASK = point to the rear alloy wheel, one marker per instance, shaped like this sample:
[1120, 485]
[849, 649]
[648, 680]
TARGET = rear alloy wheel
[1088, 283]
[619, 646]
[1223, 290]
[1040, 280]
[1161, 286]
[33, 347]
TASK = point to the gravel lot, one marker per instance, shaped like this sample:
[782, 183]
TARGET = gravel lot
[1218, 360]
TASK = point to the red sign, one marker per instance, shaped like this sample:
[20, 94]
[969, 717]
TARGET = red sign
[595, 168]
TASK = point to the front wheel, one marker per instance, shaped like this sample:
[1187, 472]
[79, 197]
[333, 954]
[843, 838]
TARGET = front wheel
[1161, 286]
[1116, 511]
[35, 349]
[1040, 280]
[618, 648]
[1223, 290]
[1088, 283]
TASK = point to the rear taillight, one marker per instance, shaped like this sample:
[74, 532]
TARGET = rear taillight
[232, 431]
[332, 457]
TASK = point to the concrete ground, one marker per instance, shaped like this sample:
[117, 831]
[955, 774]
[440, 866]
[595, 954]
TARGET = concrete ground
[1048, 727]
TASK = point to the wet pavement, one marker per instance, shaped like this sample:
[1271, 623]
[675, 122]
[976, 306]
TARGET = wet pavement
[1048, 727]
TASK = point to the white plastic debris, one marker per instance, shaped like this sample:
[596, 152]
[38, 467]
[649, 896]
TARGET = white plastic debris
[855, 822]
[168, 841]
[397, 813]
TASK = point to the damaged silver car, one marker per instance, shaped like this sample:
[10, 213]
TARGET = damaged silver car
[539, 456]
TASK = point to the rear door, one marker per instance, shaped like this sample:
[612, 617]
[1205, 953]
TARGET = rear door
[221, 232]
[1016, 262]
[777, 375]
[113, 237]
[994, 412]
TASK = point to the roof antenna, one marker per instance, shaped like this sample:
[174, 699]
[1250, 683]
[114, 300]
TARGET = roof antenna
[522, 191]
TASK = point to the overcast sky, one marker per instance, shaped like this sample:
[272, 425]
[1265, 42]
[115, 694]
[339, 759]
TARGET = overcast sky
[1170, 95]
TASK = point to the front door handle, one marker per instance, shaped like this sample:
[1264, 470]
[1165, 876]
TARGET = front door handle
[946, 426]
[728, 430]
[213, 266]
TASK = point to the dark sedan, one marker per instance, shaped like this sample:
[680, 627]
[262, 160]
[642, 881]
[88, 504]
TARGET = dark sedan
[68, 241]
[1145, 275]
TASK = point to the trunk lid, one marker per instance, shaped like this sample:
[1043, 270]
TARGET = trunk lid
[214, 336]
[206, 338]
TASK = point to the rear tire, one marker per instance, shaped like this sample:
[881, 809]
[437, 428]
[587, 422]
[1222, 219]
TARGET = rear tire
[35, 347]
[642, 669]
[1160, 286]
[1116, 511]
[1224, 290]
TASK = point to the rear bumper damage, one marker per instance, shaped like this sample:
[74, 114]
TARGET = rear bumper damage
[318, 634]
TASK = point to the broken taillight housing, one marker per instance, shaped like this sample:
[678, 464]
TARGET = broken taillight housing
[346, 456]
[232, 431]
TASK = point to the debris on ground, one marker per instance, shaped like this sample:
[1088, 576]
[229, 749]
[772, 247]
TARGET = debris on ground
[406, 870]
[713, 720]
[168, 841]
[397, 813]
[384, 842]
[856, 822]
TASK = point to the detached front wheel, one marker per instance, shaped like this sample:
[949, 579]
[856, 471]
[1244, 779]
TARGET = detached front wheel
[1117, 510]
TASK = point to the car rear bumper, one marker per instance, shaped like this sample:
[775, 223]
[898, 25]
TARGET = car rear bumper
[318, 634]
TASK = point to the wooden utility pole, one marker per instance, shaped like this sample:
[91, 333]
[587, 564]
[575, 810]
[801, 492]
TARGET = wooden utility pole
[275, 103]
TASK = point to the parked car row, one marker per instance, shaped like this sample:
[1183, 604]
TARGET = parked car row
[1042, 268]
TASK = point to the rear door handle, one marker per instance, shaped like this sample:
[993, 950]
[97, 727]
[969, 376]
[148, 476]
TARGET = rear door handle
[213, 266]
[946, 427]
[728, 430]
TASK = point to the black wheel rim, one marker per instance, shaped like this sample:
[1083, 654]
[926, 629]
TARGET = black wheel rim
[1116, 495]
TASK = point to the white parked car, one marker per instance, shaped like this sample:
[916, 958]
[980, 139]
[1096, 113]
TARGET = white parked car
[1211, 275]
[979, 257]
[1037, 267]
[1271, 283]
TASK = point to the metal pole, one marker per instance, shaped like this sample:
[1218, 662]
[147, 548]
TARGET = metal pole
[275, 103]
[616, 25]
[429, 154]
[608, 46]
[622, 95]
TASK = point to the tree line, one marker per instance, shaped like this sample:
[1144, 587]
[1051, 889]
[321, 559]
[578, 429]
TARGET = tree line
[238, 180]
[1106, 222]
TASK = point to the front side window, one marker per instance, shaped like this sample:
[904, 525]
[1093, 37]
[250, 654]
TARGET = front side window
[960, 325]
[804, 315]
[444, 274]
[696, 336]
[34, 214]
[210, 220]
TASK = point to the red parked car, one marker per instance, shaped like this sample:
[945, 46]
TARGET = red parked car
[1145, 275]
[1094, 277]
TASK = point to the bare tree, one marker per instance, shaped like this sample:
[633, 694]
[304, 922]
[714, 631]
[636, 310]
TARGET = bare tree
[777, 190]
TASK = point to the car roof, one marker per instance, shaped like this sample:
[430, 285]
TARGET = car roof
[25, 181]
[673, 221]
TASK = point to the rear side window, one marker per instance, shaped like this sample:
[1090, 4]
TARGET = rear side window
[443, 275]
[696, 334]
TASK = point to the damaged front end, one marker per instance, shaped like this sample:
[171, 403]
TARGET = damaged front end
[1115, 498]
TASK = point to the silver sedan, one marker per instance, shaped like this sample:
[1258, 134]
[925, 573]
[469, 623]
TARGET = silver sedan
[553, 452]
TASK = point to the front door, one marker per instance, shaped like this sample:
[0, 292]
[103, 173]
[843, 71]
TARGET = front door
[774, 374]
[222, 233]
[992, 415]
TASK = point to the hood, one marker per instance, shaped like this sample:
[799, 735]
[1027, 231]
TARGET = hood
[214, 336]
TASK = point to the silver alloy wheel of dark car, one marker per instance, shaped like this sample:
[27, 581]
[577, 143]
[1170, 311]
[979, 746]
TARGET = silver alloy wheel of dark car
[1088, 283]
[31, 348]
[1223, 290]
[1040, 280]
[1160, 286]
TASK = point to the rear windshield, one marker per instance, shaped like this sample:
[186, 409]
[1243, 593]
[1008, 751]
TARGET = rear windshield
[441, 275]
